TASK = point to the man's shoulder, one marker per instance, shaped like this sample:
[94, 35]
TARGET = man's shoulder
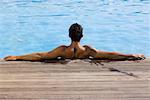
[62, 47]
[89, 47]
[59, 48]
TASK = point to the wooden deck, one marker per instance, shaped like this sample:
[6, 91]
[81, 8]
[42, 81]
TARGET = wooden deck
[75, 80]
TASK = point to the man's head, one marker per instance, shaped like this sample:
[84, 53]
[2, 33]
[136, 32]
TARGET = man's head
[75, 32]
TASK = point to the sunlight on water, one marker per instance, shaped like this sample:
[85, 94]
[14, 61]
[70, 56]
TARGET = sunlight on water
[28, 26]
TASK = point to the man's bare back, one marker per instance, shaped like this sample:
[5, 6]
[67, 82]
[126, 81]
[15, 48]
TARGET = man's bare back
[75, 51]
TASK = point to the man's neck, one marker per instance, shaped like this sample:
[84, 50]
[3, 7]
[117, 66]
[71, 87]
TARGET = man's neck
[75, 44]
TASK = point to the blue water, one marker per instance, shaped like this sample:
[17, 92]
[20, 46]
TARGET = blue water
[28, 26]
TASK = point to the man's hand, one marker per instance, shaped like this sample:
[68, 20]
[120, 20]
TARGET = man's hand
[10, 58]
[137, 57]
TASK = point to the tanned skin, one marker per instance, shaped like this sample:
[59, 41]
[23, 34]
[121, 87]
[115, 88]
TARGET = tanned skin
[75, 51]
[82, 52]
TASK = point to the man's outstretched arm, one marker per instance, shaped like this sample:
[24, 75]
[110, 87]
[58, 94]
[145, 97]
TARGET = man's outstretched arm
[58, 52]
[97, 54]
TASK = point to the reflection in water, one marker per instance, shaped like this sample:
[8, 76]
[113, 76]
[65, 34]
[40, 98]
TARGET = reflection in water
[40, 25]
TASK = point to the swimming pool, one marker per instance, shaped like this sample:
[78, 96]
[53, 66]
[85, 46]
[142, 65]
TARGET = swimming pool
[28, 26]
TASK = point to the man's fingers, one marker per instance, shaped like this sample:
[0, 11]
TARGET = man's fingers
[10, 58]
[7, 57]
[140, 57]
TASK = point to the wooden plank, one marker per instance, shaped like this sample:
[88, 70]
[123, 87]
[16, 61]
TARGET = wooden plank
[75, 80]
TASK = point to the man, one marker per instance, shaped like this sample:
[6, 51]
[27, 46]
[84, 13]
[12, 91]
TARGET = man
[75, 51]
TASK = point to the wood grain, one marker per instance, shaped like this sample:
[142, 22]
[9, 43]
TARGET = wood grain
[75, 80]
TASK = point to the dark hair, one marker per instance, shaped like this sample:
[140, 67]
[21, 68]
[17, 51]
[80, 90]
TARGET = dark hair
[75, 32]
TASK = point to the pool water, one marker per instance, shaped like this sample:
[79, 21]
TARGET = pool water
[28, 26]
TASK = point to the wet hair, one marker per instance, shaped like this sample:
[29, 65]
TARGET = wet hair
[75, 32]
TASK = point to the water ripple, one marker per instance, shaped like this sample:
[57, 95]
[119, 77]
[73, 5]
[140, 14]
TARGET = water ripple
[39, 1]
[52, 15]
[108, 24]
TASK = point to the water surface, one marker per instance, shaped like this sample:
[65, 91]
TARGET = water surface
[28, 26]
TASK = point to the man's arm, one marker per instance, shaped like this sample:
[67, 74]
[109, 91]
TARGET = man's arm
[58, 52]
[97, 54]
